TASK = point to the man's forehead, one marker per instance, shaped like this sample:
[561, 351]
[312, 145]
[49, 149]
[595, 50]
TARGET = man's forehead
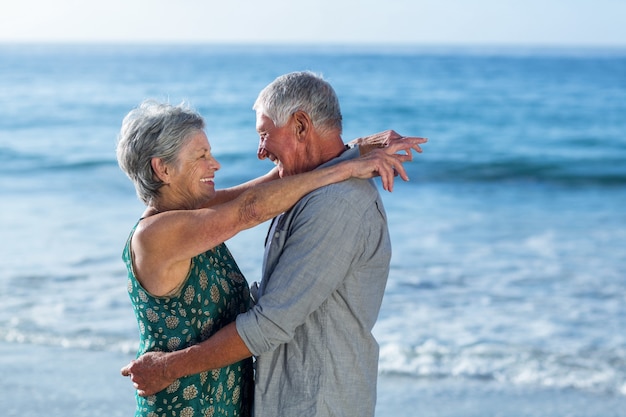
[262, 121]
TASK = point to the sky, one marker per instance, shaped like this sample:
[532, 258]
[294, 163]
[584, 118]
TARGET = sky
[450, 22]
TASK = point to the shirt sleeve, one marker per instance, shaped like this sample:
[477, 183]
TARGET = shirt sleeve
[323, 241]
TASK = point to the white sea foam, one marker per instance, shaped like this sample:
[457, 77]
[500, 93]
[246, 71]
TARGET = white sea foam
[517, 365]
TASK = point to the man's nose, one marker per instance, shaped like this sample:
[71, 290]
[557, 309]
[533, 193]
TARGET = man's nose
[261, 153]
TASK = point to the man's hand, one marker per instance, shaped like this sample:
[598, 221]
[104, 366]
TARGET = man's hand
[148, 373]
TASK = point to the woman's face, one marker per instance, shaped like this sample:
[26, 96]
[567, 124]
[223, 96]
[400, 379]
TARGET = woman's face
[192, 177]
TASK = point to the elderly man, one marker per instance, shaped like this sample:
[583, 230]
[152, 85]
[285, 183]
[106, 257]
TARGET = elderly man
[324, 273]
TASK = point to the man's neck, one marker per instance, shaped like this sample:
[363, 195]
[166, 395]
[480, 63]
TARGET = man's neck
[317, 150]
[330, 148]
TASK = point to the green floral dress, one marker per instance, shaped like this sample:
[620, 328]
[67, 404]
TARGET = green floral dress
[214, 293]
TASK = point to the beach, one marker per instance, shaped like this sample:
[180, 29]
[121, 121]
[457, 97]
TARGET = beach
[507, 289]
[58, 382]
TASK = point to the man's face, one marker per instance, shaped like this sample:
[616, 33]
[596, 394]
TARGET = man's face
[281, 146]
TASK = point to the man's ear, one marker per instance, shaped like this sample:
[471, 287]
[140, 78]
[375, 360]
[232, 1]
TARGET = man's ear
[302, 124]
[161, 170]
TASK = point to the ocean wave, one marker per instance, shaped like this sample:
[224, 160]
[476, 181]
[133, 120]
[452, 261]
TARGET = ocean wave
[565, 172]
[85, 341]
[595, 371]
[80, 165]
[15, 162]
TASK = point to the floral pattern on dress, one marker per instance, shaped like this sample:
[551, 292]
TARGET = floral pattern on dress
[214, 293]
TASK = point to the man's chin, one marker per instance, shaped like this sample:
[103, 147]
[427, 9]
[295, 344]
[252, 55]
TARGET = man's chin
[280, 167]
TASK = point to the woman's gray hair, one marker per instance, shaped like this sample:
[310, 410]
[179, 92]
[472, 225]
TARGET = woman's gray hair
[154, 130]
[300, 91]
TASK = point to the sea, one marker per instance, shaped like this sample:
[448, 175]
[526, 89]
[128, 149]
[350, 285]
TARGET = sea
[509, 240]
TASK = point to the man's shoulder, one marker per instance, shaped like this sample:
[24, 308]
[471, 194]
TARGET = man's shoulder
[350, 189]
[352, 185]
[350, 196]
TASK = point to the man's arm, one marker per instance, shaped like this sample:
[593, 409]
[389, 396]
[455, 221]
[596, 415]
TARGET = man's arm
[155, 371]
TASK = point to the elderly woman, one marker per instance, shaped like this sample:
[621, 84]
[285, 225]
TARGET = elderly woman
[183, 282]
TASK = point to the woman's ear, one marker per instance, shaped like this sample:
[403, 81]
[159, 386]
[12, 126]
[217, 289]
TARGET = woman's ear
[302, 124]
[161, 170]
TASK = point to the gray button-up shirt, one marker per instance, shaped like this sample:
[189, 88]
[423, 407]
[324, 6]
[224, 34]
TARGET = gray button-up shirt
[324, 275]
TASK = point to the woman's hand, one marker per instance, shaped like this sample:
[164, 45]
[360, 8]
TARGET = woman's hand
[387, 162]
[384, 139]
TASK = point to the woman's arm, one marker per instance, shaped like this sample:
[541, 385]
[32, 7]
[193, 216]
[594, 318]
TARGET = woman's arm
[227, 194]
[191, 232]
[365, 144]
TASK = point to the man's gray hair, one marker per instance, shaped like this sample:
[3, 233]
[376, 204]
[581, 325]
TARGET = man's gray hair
[154, 130]
[301, 91]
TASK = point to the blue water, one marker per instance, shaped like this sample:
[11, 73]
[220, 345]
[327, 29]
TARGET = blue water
[509, 242]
